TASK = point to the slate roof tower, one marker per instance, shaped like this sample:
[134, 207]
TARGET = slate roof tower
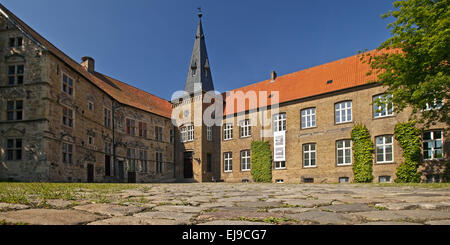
[199, 71]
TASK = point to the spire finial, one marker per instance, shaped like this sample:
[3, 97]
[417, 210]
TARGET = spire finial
[200, 14]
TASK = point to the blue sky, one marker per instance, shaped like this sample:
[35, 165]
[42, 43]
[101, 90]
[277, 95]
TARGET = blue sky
[148, 43]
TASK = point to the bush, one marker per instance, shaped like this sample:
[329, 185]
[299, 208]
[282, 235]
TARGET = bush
[408, 137]
[261, 161]
[362, 154]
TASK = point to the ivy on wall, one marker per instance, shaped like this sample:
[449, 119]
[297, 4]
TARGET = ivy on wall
[362, 154]
[408, 137]
[261, 161]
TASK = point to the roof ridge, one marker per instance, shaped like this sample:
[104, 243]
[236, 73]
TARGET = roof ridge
[299, 71]
[127, 84]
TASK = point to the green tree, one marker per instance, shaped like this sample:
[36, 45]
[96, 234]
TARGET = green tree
[414, 65]
[261, 161]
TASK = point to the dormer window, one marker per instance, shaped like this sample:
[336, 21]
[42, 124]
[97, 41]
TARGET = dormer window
[15, 42]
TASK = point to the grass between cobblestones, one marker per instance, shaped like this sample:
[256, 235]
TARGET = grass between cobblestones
[31, 193]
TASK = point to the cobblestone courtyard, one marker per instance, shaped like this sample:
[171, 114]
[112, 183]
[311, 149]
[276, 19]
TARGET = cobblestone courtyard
[225, 204]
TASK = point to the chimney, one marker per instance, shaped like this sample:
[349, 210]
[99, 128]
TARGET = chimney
[88, 63]
[273, 75]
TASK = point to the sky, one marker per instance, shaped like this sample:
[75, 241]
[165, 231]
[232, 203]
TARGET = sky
[148, 43]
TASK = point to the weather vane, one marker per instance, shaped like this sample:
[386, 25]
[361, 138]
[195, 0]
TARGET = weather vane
[200, 14]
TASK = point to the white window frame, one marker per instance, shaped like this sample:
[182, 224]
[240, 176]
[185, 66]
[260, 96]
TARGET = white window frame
[183, 133]
[209, 133]
[384, 146]
[228, 131]
[190, 133]
[346, 152]
[245, 161]
[433, 141]
[385, 177]
[279, 122]
[307, 161]
[280, 165]
[245, 128]
[308, 118]
[341, 111]
[228, 162]
[435, 106]
[385, 109]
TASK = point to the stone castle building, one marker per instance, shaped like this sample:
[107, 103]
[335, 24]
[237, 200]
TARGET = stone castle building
[63, 121]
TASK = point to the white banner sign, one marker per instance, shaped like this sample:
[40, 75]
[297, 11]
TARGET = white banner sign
[279, 146]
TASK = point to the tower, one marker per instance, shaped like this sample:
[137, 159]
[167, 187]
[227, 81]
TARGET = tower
[197, 149]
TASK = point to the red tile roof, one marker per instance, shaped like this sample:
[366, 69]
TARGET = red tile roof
[344, 73]
[121, 92]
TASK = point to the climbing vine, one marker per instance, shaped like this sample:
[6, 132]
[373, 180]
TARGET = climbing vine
[408, 136]
[261, 161]
[362, 154]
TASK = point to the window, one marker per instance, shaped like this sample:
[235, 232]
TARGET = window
[245, 160]
[67, 153]
[90, 140]
[384, 109]
[143, 160]
[279, 122]
[190, 133]
[15, 74]
[131, 155]
[227, 162]
[131, 127]
[433, 178]
[142, 127]
[209, 133]
[432, 145]
[67, 84]
[384, 149]
[68, 117]
[14, 149]
[279, 181]
[343, 112]
[309, 155]
[228, 131]
[15, 42]
[434, 106]
[91, 106]
[208, 162]
[384, 179]
[344, 179]
[344, 152]
[280, 165]
[107, 118]
[108, 152]
[14, 110]
[245, 129]
[158, 133]
[183, 132]
[308, 118]
[307, 180]
[159, 163]
[172, 136]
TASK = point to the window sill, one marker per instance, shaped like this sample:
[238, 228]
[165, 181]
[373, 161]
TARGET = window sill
[228, 172]
[309, 166]
[341, 123]
[381, 117]
[343, 165]
[281, 168]
[246, 170]
[227, 139]
[382, 163]
[244, 137]
[309, 128]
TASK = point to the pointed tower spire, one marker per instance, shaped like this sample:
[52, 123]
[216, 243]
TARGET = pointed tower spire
[199, 73]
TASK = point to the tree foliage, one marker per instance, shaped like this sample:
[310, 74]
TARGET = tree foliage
[261, 161]
[408, 136]
[362, 154]
[414, 64]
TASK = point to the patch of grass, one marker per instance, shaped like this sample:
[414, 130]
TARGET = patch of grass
[4, 222]
[263, 210]
[270, 220]
[211, 210]
[285, 205]
[418, 185]
[380, 208]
